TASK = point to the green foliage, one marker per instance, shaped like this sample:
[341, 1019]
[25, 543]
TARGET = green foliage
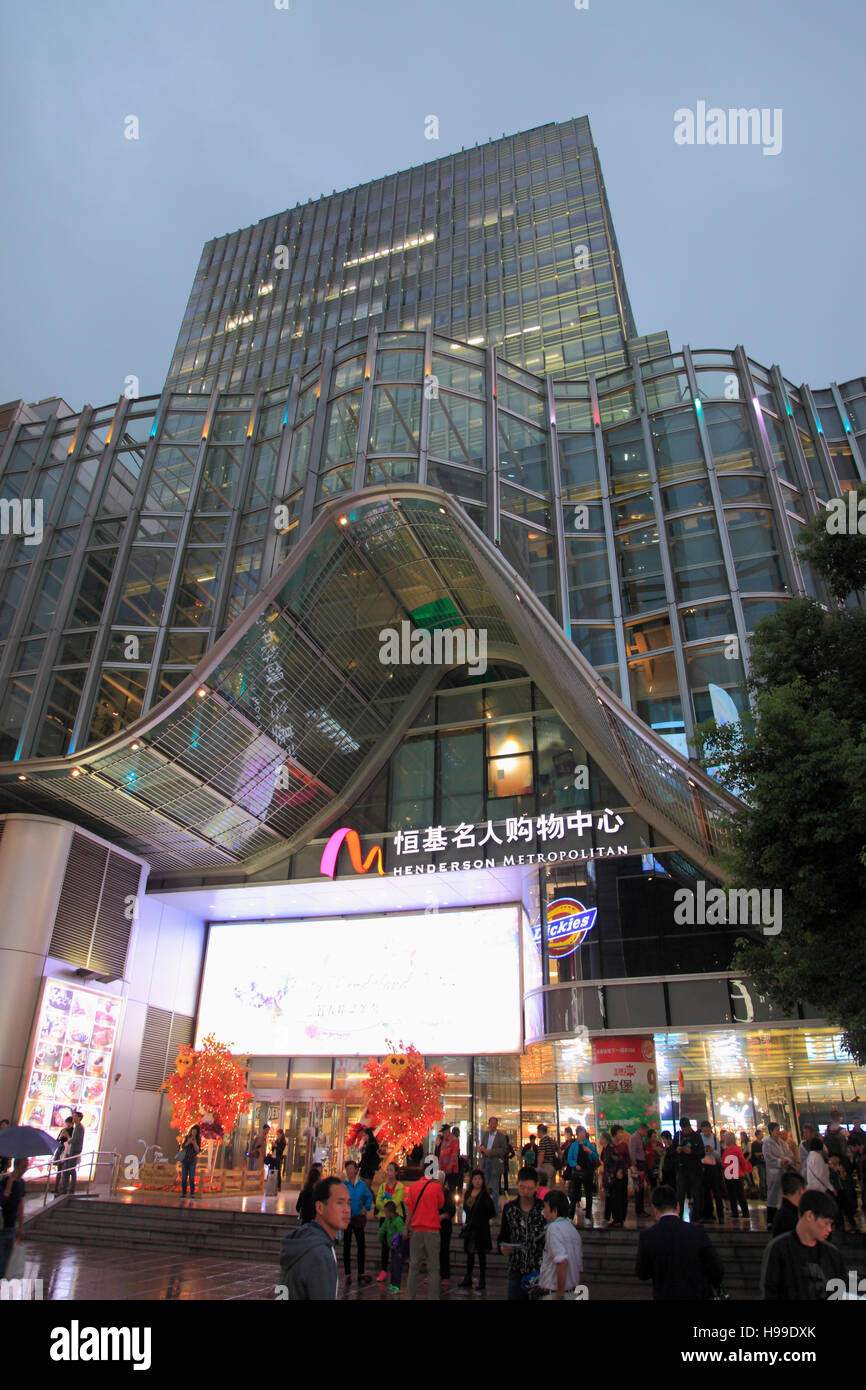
[802, 773]
[840, 559]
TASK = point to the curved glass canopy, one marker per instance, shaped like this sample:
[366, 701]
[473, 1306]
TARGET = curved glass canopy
[282, 724]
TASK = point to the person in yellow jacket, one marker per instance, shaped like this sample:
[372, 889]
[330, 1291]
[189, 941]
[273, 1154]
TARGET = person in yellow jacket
[389, 1191]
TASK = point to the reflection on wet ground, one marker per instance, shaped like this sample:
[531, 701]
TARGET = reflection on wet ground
[76, 1273]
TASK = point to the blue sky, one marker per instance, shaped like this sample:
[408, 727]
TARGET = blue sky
[245, 109]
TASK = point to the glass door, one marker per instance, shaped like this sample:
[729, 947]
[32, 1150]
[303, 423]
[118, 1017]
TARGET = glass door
[315, 1133]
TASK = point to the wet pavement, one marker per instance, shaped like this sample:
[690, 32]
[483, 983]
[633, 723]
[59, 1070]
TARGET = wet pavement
[78, 1273]
[72, 1271]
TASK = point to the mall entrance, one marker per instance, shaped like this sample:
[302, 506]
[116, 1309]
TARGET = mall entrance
[315, 1130]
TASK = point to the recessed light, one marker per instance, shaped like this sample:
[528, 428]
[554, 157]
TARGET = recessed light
[201, 692]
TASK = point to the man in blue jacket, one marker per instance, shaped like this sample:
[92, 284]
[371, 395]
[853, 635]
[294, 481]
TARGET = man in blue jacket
[361, 1199]
[308, 1258]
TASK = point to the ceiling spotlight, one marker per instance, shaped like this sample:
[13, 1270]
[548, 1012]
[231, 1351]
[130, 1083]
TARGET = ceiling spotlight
[135, 747]
[344, 521]
[22, 777]
[201, 692]
[76, 772]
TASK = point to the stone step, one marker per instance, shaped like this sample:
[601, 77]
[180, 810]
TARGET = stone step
[255, 1236]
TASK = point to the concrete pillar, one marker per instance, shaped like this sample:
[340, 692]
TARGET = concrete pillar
[33, 855]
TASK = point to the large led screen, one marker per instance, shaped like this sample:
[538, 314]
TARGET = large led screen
[447, 982]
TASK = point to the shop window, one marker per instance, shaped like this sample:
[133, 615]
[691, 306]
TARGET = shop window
[695, 1002]
[460, 777]
[707, 620]
[396, 419]
[677, 445]
[194, 604]
[532, 555]
[13, 710]
[523, 454]
[686, 496]
[626, 458]
[118, 702]
[598, 644]
[146, 581]
[640, 568]
[755, 548]
[709, 665]
[696, 556]
[731, 438]
[507, 699]
[505, 740]
[457, 430]
[412, 784]
[635, 509]
[635, 1006]
[655, 693]
[509, 776]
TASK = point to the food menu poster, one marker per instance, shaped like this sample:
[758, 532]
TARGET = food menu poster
[72, 1057]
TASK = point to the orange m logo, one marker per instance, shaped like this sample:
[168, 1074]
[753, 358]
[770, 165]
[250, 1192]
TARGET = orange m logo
[332, 849]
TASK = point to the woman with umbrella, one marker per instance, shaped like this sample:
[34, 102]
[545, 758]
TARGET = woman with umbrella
[19, 1142]
[12, 1205]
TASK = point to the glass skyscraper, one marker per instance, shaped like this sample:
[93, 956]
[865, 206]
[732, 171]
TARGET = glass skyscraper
[509, 244]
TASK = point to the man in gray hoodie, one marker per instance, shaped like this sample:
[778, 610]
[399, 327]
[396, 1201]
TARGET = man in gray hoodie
[308, 1261]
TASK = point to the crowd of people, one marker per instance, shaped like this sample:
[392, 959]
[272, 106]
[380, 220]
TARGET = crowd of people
[712, 1174]
[808, 1187]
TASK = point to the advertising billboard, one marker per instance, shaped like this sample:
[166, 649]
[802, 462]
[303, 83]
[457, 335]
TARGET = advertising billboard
[72, 1056]
[625, 1082]
[447, 982]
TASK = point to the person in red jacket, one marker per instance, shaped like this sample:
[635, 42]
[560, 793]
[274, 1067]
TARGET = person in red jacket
[424, 1202]
[735, 1166]
[449, 1159]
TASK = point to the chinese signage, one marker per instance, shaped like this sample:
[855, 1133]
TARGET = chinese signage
[522, 840]
[568, 925]
[71, 1069]
[625, 1082]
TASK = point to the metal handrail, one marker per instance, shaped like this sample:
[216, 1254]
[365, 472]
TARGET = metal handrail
[98, 1158]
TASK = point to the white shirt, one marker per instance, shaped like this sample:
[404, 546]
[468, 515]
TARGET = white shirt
[561, 1242]
[817, 1173]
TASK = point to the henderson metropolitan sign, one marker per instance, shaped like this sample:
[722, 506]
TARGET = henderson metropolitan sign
[551, 839]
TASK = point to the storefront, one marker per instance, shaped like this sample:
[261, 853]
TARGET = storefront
[523, 1021]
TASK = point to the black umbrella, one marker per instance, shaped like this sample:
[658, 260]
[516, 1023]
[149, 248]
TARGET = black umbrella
[23, 1141]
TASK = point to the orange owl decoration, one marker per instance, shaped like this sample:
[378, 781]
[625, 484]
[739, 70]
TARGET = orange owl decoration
[404, 1096]
[208, 1082]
